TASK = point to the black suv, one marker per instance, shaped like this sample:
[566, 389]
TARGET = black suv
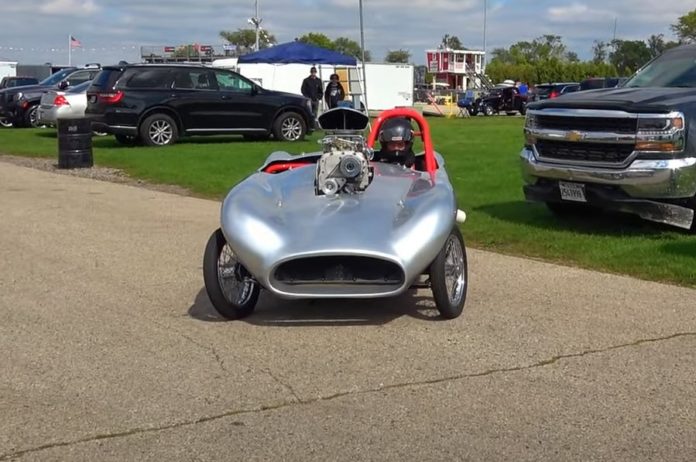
[18, 104]
[158, 103]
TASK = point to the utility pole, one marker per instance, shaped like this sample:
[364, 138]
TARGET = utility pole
[256, 21]
[485, 10]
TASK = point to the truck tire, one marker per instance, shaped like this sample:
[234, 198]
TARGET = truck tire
[31, 117]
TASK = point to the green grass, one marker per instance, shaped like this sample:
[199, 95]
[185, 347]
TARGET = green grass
[482, 161]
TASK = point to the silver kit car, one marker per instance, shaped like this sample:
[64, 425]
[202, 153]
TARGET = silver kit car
[340, 223]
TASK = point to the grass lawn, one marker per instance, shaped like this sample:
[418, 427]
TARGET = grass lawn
[482, 161]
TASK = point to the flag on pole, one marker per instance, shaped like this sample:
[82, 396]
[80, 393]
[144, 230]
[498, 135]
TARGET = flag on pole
[74, 43]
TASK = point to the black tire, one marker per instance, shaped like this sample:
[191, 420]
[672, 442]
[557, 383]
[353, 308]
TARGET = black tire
[159, 130]
[289, 126]
[31, 117]
[487, 110]
[523, 109]
[5, 122]
[126, 140]
[451, 261]
[248, 287]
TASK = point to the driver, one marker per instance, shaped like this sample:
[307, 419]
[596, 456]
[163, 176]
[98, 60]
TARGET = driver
[396, 142]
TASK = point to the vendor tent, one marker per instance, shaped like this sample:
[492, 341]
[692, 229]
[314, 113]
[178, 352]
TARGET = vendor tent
[297, 53]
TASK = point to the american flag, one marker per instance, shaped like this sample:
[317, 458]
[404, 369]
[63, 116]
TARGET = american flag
[74, 43]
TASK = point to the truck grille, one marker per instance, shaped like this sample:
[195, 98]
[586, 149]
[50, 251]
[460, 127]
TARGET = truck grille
[585, 152]
[588, 124]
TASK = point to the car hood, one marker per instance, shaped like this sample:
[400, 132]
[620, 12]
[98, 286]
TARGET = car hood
[25, 89]
[650, 99]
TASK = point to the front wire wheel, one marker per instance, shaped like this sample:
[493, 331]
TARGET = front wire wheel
[231, 289]
[448, 276]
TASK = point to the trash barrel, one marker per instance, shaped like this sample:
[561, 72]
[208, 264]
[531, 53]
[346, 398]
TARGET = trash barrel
[75, 143]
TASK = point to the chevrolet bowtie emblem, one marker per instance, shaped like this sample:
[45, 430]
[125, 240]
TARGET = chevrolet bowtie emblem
[574, 136]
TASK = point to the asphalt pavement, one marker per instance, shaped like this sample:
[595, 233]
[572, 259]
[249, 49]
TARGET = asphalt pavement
[112, 351]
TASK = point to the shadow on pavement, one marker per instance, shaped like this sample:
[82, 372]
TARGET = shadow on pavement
[273, 311]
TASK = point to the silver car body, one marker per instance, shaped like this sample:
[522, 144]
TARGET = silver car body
[276, 224]
[74, 108]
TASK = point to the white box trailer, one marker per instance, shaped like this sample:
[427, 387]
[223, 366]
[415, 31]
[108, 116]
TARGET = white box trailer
[8, 69]
[388, 85]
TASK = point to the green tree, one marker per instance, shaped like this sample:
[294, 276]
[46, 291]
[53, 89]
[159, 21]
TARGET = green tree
[600, 51]
[350, 47]
[685, 28]
[452, 42]
[397, 56]
[657, 45]
[629, 55]
[244, 40]
[318, 39]
[541, 49]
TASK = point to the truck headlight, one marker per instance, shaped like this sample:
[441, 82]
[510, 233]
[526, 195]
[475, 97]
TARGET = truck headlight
[661, 135]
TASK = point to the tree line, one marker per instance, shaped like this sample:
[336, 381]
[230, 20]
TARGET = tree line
[543, 59]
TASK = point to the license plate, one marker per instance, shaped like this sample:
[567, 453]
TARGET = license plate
[572, 191]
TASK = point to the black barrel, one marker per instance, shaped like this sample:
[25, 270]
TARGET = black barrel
[75, 143]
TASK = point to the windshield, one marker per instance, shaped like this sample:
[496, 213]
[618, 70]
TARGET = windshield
[672, 69]
[57, 77]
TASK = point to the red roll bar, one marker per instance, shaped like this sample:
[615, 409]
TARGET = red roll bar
[430, 162]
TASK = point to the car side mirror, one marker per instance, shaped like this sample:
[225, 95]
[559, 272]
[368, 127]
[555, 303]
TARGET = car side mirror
[63, 84]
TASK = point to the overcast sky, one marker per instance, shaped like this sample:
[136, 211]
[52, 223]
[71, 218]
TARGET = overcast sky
[36, 31]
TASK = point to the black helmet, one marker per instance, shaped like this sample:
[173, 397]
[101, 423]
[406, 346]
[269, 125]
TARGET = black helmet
[397, 129]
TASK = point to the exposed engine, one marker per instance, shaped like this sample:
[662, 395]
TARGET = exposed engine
[343, 167]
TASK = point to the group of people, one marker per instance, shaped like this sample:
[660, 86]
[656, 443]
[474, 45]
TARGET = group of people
[312, 88]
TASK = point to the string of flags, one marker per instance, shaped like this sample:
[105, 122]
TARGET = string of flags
[65, 49]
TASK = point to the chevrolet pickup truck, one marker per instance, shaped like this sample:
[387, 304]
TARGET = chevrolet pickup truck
[628, 149]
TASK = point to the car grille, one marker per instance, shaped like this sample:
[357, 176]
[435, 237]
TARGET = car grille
[589, 124]
[585, 152]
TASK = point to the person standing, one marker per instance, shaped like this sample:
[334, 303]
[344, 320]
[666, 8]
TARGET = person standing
[312, 89]
[334, 92]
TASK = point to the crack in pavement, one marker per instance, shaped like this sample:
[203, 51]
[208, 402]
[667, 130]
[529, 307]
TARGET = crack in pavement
[173, 426]
[287, 386]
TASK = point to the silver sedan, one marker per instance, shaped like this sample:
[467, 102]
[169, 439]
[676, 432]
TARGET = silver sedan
[57, 104]
[69, 104]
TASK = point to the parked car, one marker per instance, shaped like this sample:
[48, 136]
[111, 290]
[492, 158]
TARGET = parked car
[633, 152]
[9, 82]
[158, 103]
[501, 98]
[553, 90]
[68, 104]
[595, 83]
[19, 104]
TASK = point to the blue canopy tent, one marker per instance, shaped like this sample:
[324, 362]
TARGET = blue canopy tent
[297, 52]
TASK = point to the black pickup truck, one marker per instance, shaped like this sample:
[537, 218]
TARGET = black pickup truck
[18, 105]
[629, 149]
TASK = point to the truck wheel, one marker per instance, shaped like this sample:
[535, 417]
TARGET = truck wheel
[487, 110]
[231, 289]
[448, 276]
[5, 122]
[31, 117]
[523, 109]
[289, 126]
[159, 130]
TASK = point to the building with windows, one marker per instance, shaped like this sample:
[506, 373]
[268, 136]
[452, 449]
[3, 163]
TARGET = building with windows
[460, 69]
